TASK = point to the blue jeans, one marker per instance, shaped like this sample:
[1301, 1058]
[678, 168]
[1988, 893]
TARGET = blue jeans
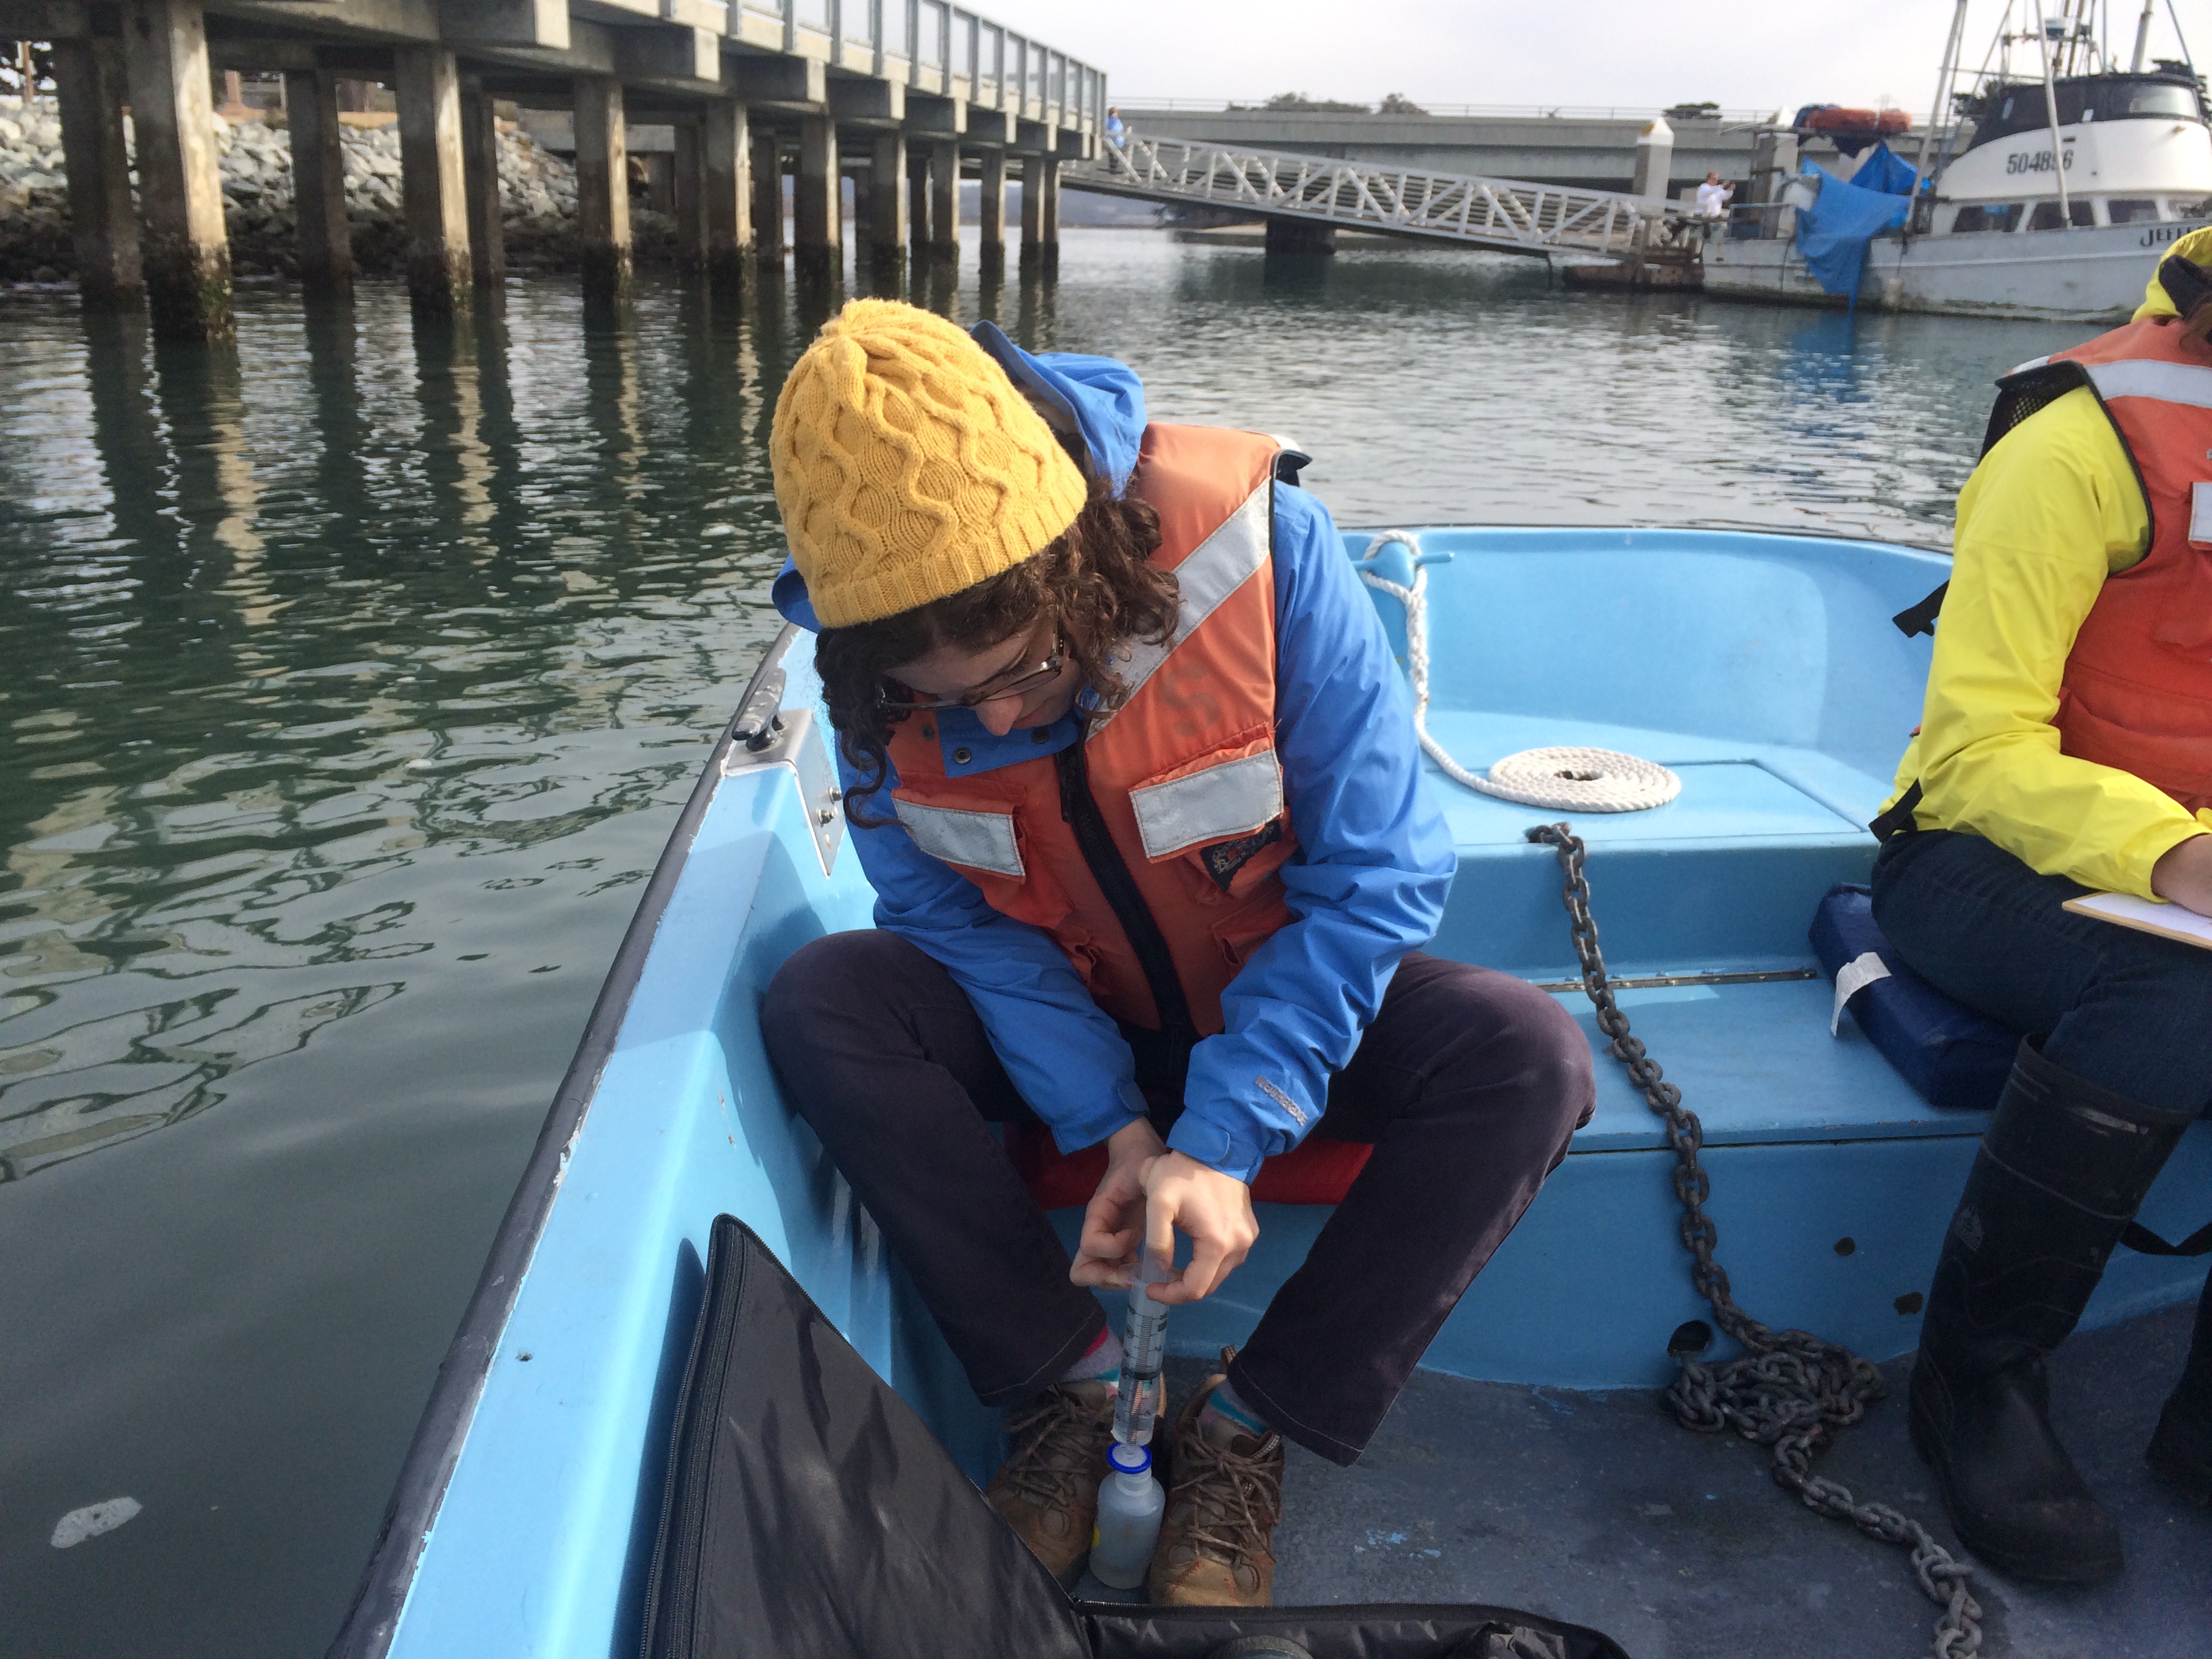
[2128, 1011]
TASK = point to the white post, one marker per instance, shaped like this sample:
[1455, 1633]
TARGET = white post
[1655, 157]
[1939, 113]
[2051, 112]
[2142, 37]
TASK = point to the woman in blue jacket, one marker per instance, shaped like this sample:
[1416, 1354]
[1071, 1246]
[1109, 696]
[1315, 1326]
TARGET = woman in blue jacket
[1131, 769]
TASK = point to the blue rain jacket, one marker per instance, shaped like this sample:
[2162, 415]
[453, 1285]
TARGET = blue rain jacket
[1367, 883]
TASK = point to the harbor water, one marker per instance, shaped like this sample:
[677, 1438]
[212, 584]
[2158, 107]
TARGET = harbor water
[350, 682]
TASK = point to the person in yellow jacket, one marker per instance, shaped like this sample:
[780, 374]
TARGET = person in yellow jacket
[2066, 746]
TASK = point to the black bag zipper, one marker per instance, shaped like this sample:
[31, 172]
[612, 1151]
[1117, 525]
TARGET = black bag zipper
[668, 1630]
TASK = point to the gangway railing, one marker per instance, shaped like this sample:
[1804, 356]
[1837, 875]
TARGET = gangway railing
[1507, 215]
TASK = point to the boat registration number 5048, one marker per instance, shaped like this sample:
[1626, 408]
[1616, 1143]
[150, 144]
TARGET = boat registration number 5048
[2036, 160]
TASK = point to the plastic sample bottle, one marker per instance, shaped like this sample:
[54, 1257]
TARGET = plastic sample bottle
[1130, 1503]
[1144, 1349]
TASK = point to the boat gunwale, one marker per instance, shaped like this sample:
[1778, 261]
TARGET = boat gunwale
[372, 1620]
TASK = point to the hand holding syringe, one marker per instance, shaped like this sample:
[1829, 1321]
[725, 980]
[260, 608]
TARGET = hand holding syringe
[1144, 1349]
[1146, 1196]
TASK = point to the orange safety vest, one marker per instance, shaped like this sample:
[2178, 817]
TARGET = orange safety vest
[2136, 694]
[1182, 778]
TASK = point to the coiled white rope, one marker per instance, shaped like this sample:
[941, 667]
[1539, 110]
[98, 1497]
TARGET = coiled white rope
[1575, 780]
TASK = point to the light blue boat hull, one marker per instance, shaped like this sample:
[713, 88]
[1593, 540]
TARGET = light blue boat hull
[1763, 668]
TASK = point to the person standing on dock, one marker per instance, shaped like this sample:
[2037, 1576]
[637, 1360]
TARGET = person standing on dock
[2066, 746]
[1114, 131]
[1133, 770]
[1713, 198]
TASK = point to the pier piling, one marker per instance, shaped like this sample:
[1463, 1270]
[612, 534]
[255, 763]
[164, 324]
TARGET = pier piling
[993, 209]
[432, 179]
[817, 211]
[89, 82]
[768, 198]
[480, 186]
[183, 250]
[917, 201]
[887, 202]
[711, 73]
[602, 187]
[729, 187]
[1040, 212]
[318, 203]
[1048, 231]
[1303, 236]
[688, 184]
[944, 200]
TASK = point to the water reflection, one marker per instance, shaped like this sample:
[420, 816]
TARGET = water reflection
[284, 618]
[353, 676]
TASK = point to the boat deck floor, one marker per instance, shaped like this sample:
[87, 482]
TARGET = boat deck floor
[1597, 1508]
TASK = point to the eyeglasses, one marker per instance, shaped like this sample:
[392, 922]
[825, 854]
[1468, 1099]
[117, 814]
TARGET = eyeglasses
[894, 698]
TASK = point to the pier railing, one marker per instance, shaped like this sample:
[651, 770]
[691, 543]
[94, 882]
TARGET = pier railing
[929, 45]
[1502, 214]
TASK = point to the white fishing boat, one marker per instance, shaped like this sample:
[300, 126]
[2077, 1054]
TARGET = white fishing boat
[2068, 172]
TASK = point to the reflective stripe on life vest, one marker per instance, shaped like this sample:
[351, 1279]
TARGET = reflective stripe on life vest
[980, 840]
[1220, 564]
[2166, 382]
[1232, 798]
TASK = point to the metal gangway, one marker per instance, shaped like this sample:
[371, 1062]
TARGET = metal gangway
[1505, 215]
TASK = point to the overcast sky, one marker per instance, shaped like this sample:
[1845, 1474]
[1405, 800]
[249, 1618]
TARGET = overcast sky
[1742, 54]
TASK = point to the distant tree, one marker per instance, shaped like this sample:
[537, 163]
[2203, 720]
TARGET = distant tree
[1396, 103]
[1298, 100]
[1694, 112]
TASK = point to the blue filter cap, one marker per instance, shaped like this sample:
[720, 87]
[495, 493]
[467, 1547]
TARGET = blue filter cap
[1130, 1460]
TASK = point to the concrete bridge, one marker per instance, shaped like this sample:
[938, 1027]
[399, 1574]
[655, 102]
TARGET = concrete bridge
[903, 94]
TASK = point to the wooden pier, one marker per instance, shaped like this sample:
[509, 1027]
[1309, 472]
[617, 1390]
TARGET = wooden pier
[905, 96]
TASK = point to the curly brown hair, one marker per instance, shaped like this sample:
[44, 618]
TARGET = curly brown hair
[1096, 579]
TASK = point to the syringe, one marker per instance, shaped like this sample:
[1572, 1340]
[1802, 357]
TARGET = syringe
[1144, 1347]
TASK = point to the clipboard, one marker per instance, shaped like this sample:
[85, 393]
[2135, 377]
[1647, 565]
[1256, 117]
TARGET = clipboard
[2172, 921]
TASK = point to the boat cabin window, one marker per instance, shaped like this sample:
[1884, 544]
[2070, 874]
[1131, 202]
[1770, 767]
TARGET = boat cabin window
[2003, 215]
[2020, 107]
[2131, 210]
[2047, 215]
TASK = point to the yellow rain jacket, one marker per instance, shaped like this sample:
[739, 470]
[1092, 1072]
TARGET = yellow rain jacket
[2052, 510]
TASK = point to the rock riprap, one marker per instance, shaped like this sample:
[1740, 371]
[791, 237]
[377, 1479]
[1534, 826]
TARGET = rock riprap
[536, 191]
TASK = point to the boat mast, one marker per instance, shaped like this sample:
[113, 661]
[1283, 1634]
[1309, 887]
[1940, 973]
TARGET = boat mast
[1939, 116]
[2042, 36]
[2143, 37]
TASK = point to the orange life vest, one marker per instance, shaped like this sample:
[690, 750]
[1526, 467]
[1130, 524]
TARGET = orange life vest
[2136, 693]
[1184, 774]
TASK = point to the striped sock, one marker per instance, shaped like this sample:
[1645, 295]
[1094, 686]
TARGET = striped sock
[1226, 1415]
[1101, 1362]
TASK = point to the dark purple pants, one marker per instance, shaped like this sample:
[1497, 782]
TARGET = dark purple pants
[1469, 1084]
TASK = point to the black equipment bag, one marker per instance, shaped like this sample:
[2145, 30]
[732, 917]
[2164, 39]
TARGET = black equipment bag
[810, 1514]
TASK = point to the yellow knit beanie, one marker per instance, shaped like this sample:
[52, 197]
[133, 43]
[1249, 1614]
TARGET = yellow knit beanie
[908, 466]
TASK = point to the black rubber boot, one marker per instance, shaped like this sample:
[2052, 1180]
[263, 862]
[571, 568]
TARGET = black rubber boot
[2181, 1450]
[2059, 1176]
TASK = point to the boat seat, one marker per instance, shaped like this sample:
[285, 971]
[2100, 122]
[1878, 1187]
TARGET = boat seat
[1315, 1172]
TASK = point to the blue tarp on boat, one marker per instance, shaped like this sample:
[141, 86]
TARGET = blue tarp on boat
[1832, 234]
[1884, 170]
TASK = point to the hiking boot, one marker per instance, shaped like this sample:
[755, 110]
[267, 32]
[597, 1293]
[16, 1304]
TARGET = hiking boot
[2058, 1177]
[1047, 1488]
[2181, 1449]
[1216, 1547]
